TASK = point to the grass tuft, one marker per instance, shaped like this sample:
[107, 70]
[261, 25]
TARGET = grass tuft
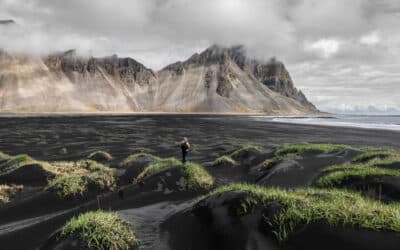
[134, 157]
[14, 162]
[269, 163]
[4, 156]
[197, 177]
[300, 149]
[86, 174]
[371, 162]
[100, 155]
[101, 230]
[308, 205]
[225, 159]
[7, 192]
[245, 149]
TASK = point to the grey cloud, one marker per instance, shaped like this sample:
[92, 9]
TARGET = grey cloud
[158, 32]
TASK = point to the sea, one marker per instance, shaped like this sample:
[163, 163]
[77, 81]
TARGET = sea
[386, 122]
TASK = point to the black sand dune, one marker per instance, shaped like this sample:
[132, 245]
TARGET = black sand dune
[165, 216]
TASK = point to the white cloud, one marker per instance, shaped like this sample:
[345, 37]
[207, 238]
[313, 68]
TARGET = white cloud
[324, 47]
[371, 38]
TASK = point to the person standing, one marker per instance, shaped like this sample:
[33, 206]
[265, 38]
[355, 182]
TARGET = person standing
[185, 146]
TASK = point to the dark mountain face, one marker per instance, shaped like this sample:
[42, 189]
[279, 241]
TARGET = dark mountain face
[126, 70]
[272, 73]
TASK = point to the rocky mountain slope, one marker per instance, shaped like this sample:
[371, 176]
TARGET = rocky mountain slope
[216, 80]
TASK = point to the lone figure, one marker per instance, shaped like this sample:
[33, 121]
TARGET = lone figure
[185, 146]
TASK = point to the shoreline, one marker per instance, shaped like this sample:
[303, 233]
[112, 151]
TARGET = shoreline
[127, 113]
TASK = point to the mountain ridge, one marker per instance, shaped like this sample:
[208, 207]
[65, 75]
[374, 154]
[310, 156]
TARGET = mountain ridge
[218, 79]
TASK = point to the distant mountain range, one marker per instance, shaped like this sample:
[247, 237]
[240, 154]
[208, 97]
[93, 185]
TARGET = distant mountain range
[216, 80]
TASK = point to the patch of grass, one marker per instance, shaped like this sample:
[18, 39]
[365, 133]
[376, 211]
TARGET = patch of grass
[244, 149]
[300, 149]
[87, 174]
[4, 156]
[63, 151]
[100, 155]
[196, 176]
[371, 162]
[156, 167]
[101, 230]
[14, 162]
[305, 206]
[136, 156]
[8, 191]
[225, 159]
[376, 153]
[269, 163]
[336, 178]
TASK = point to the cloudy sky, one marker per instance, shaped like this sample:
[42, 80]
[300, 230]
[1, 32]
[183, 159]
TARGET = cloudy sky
[343, 54]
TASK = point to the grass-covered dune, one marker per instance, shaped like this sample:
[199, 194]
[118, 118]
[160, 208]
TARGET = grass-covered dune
[83, 177]
[280, 212]
[134, 164]
[224, 160]
[299, 149]
[22, 169]
[196, 177]
[134, 158]
[100, 156]
[242, 155]
[376, 171]
[66, 179]
[7, 192]
[95, 230]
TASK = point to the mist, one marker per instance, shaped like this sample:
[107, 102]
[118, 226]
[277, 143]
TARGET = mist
[330, 47]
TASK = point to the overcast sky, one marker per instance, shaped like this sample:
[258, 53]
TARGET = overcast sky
[343, 54]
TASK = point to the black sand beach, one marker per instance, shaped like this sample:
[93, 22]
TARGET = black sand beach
[46, 137]
[30, 224]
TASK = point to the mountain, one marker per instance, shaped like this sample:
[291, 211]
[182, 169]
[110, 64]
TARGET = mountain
[216, 80]
[225, 80]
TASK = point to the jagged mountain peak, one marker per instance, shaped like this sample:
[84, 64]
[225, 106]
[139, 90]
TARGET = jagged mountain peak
[271, 73]
[125, 69]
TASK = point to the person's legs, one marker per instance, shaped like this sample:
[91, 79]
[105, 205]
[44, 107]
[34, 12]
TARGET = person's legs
[184, 153]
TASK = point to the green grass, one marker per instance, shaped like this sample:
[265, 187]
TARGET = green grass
[63, 151]
[101, 230]
[308, 205]
[9, 191]
[373, 154]
[337, 178]
[245, 149]
[14, 162]
[371, 162]
[225, 159]
[4, 156]
[134, 157]
[196, 176]
[269, 163]
[88, 174]
[300, 149]
[100, 155]
[231, 158]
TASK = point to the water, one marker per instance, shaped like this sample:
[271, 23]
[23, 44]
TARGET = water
[385, 122]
